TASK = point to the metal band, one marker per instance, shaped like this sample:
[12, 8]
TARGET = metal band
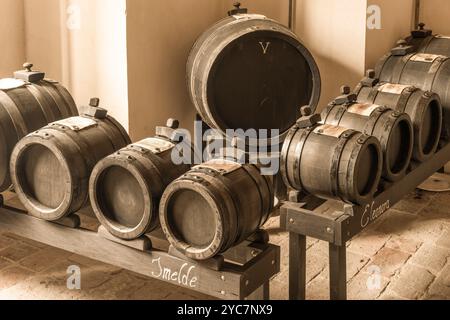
[336, 160]
[303, 137]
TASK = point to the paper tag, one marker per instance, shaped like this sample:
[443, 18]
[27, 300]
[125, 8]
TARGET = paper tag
[155, 145]
[224, 166]
[425, 57]
[440, 36]
[76, 123]
[249, 16]
[364, 109]
[393, 88]
[330, 130]
[10, 83]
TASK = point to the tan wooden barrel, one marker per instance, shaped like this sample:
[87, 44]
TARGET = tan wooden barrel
[423, 107]
[25, 107]
[214, 207]
[126, 187]
[251, 72]
[50, 168]
[332, 162]
[392, 128]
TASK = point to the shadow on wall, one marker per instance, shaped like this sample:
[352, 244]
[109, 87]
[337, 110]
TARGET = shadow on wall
[334, 75]
[157, 61]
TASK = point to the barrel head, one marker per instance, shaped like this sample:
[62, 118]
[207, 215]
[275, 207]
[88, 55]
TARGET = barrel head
[120, 197]
[191, 218]
[258, 82]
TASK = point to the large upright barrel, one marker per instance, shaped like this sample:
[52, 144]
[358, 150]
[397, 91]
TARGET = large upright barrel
[428, 72]
[423, 107]
[214, 207]
[27, 104]
[392, 128]
[50, 168]
[126, 187]
[250, 72]
[332, 162]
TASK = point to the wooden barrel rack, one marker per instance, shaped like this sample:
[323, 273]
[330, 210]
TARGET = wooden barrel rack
[304, 217]
[242, 273]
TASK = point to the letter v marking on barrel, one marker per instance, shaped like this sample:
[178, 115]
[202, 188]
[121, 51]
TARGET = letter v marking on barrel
[265, 46]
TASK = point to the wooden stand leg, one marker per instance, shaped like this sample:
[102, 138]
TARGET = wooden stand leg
[261, 294]
[338, 272]
[297, 267]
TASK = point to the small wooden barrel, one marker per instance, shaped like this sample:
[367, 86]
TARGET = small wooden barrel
[50, 168]
[332, 162]
[423, 107]
[392, 128]
[214, 207]
[424, 41]
[425, 71]
[250, 72]
[126, 187]
[25, 107]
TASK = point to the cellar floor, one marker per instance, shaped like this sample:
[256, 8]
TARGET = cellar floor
[404, 255]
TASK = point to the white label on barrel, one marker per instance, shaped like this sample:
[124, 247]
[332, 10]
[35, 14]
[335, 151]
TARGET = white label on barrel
[155, 145]
[10, 83]
[76, 123]
[364, 109]
[249, 16]
[440, 36]
[425, 57]
[330, 130]
[225, 166]
[393, 88]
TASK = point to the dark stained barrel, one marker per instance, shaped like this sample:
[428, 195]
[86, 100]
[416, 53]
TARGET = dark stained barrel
[332, 163]
[428, 72]
[214, 207]
[424, 41]
[25, 107]
[50, 168]
[423, 107]
[250, 72]
[393, 129]
[126, 187]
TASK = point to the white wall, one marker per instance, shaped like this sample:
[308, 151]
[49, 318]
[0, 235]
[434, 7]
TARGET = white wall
[436, 13]
[12, 36]
[86, 51]
[334, 30]
[397, 21]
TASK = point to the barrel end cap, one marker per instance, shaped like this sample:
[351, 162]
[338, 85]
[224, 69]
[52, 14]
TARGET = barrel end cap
[308, 119]
[421, 32]
[237, 10]
[27, 74]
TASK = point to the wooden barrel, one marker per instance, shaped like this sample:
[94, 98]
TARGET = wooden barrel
[332, 162]
[50, 168]
[25, 107]
[424, 41]
[423, 107]
[425, 71]
[250, 72]
[393, 129]
[126, 187]
[214, 207]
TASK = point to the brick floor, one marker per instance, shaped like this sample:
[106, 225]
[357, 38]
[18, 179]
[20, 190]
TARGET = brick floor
[405, 255]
